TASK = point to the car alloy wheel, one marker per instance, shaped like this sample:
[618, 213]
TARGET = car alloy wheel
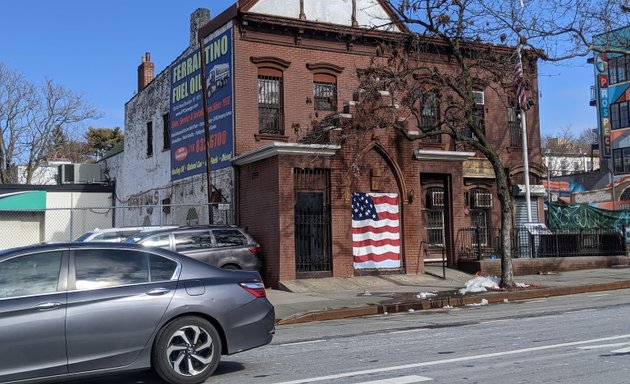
[187, 351]
[190, 350]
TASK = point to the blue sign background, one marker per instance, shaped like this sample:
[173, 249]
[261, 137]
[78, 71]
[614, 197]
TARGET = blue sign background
[188, 156]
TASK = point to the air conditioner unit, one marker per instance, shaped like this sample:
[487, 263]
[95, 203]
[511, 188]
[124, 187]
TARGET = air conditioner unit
[482, 200]
[437, 199]
[479, 97]
[81, 174]
[66, 174]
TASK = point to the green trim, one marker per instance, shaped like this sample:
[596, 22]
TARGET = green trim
[23, 201]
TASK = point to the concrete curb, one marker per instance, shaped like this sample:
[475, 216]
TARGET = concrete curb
[450, 301]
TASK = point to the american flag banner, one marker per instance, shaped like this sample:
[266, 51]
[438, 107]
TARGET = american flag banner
[375, 230]
[519, 82]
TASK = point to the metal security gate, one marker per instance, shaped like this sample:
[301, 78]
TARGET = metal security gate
[525, 242]
[313, 245]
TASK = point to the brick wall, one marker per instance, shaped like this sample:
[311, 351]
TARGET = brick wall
[258, 211]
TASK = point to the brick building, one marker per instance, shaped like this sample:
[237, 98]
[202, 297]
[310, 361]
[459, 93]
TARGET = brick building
[276, 73]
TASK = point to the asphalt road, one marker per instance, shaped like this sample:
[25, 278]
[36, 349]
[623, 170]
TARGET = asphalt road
[572, 339]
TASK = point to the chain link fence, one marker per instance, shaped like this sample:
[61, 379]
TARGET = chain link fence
[26, 227]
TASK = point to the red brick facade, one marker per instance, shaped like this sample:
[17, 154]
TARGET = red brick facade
[265, 191]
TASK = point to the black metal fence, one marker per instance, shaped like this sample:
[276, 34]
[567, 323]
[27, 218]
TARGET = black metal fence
[483, 243]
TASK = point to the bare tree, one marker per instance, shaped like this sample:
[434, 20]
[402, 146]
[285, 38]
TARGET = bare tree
[459, 46]
[566, 142]
[29, 118]
[17, 97]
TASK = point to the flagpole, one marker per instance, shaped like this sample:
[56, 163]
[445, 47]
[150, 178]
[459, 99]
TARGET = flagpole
[521, 101]
[528, 199]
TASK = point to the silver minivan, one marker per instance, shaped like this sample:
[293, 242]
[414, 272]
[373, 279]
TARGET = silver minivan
[117, 234]
[225, 246]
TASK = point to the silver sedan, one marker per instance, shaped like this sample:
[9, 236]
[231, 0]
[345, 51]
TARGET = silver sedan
[76, 309]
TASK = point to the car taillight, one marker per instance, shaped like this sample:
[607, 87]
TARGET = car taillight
[256, 288]
[255, 249]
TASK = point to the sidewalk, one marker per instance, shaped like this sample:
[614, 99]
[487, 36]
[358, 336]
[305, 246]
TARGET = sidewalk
[334, 298]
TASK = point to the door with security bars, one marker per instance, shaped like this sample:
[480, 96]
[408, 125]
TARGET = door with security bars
[437, 234]
[313, 239]
[480, 211]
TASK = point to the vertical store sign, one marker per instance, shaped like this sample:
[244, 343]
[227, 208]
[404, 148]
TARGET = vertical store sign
[601, 71]
[188, 144]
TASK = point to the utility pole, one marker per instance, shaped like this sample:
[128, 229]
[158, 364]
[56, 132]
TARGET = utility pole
[206, 129]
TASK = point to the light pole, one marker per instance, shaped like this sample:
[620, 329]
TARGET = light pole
[547, 161]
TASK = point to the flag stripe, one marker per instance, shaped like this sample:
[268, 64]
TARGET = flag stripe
[373, 250]
[377, 258]
[376, 243]
[381, 264]
[385, 198]
[375, 230]
[390, 227]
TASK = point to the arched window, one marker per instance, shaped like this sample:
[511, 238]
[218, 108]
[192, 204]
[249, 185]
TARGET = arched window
[325, 92]
[479, 113]
[430, 115]
[270, 101]
[270, 94]
[514, 127]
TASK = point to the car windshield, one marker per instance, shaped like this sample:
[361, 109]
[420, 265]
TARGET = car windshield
[136, 237]
[83, 236]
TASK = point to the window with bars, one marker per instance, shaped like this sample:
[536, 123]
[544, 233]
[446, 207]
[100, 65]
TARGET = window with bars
[516, 133]
[149, 139]
[429, 116]
[166, 133]
[435, 216]
[324, 92]
[478, 114]
[480, 205]
[270, 103]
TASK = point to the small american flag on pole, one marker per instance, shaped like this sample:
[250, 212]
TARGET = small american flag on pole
[519, 82]
[375, 230]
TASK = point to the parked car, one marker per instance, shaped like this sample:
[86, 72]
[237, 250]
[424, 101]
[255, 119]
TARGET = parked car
[70, 310]
[117, 234]
[225, 246]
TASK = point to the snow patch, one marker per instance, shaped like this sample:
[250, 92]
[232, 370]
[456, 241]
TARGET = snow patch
[481, 284]
[483, 302]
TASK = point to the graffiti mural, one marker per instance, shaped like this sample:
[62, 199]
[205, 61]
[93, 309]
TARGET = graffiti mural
[582, 216]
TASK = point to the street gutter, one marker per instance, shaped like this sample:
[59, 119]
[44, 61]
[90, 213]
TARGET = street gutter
[450, 301]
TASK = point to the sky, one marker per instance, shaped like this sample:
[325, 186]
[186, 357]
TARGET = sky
[94, 49]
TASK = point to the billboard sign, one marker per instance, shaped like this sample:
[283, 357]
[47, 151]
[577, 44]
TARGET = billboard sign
[188, 144]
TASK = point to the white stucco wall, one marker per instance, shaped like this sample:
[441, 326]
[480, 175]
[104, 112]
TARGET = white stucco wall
[20, 228]
[369, 13]
[143, 183]
[70, 214]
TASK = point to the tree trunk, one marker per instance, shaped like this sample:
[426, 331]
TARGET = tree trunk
[507, 275]
[503, 192]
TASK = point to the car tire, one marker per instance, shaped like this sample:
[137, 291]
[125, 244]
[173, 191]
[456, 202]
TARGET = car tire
[232, 267]
[184, 343]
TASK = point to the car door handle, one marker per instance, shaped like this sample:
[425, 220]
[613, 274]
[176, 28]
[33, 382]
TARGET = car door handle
[48, 306]
[158, 291]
